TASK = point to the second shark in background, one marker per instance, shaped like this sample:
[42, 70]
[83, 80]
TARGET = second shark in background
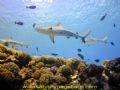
[13, 43]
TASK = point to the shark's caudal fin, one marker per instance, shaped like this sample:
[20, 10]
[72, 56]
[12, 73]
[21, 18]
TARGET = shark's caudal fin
[85, 36]
[26, 44]
[105, 39]
[92, 39]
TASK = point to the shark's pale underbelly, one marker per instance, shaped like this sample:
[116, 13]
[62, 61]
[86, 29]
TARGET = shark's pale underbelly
[63, 33]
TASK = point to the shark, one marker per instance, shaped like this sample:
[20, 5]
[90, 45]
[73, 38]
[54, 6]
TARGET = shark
[92, 39]
[60, 30]
[11, 42]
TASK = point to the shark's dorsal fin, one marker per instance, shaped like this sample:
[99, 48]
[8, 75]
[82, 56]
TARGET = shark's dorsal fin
[59, 27]
[58, 24]
[52, 38]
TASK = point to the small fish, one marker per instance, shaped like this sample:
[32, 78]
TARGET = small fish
[31, 7]
[79, 50]
[19, 23]
[114, 25]
[112, 43]
[37, 49]
[97, 60]
[68, 37]
[34, 24]
[76, 37]
[103, 17]
[54, 54]
[26, 46]
[77, 33]
[81, 56]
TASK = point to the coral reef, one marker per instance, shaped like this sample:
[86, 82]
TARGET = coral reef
[113, 72]
[65, 71]
[46, 79]
[19, 70]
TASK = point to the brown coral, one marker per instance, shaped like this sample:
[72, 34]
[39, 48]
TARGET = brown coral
[30, 82]
[25, 73]
[12, 67]
[65, 71]
[23, 58]
[3, 56]
[46, 79]
[20, 69]
[6, 74]
[37, 74]
[3, 49]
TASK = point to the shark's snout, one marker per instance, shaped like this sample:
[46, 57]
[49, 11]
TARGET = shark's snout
[41, 30]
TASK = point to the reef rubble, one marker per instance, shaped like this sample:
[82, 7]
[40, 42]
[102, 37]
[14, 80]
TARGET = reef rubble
[21, 71]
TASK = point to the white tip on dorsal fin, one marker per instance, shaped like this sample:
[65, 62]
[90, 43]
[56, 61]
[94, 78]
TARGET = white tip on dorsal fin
[58, 24]
[52, 38]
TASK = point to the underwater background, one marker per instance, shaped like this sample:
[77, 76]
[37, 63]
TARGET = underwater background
[75, 15]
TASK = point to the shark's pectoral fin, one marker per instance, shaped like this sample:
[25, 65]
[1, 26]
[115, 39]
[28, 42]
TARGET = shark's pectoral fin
[52, 38]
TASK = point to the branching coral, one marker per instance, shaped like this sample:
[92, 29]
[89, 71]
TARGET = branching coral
[81, 67]
[3, 56]
[114, 65]
[6, 74]
[46, 79]
[59, 80]
[37, 74]
[30, 82]
[12, 67]
[23, 58]
[54, 69]
[39, 65]
[52, 61]
[113, 72]
[73, 63]
[3, 49]
[21, 69]
[65, 71]
[25, 73]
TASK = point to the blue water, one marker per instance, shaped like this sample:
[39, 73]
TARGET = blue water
[76, 15]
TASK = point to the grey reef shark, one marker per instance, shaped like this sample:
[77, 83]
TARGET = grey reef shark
[59, 30]
[13, 43]
[92, 39]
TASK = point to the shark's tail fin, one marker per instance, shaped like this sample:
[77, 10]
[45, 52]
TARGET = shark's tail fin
[105, 39]
[26, 43]
[85, 36]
